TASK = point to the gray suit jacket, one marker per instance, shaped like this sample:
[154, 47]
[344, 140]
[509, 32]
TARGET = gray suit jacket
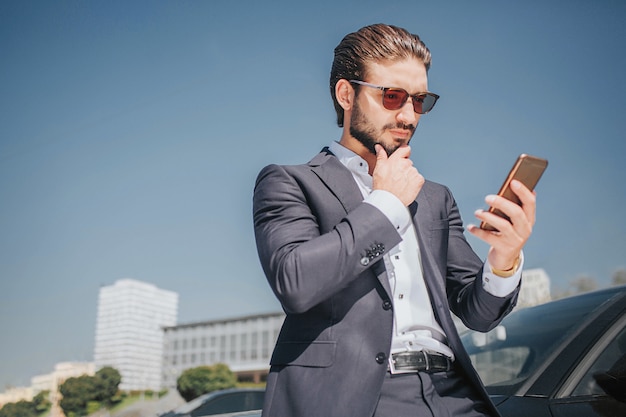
[321, 249]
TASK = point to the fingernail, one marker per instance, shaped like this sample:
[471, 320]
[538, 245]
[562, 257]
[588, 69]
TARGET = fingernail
[516, 184]
[490, 198]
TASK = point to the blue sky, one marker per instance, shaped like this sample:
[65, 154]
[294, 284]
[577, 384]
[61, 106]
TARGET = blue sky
[131, 134]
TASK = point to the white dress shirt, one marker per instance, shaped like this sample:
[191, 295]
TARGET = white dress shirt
[415, 326]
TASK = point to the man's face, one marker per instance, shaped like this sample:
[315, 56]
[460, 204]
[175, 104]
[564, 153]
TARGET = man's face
[370, 122]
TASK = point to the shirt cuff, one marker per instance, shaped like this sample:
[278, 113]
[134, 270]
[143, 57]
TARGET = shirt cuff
[498, 286]
[392, 208]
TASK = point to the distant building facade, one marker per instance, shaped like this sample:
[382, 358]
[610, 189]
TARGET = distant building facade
[15, 394]
[48, 382]
[535, 288]
[129, 331]
[62, 371]
[245, 344]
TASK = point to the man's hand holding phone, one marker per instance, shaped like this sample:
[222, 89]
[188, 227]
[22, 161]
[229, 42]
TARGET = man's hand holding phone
[508, 223]
[511, 235]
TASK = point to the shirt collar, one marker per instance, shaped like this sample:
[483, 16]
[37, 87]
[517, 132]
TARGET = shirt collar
[351, 160]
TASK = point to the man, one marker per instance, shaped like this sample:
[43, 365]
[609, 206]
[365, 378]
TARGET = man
[367, 258]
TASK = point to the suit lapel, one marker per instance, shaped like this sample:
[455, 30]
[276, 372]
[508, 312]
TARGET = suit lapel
[337, 178]
[341, 183]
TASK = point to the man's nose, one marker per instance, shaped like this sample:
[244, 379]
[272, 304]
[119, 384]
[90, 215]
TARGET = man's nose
[407, 114]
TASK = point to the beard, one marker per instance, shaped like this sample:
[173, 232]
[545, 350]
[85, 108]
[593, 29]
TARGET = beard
[367, 134]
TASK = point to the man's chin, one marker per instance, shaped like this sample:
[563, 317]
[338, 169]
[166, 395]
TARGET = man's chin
[393, 148]
[389, 149]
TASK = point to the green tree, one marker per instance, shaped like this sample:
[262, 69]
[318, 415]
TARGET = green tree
[41, 401]
[77, 392]
[578, 285]
[19, 409]
[85, 393]
[197, 381]
[619, 277]
[107, 381]
[583, 284]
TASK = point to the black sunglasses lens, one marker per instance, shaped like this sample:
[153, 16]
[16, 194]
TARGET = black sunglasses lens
[423, 103]
[393, 99]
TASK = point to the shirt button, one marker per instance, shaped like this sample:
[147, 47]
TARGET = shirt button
[381, 358]
[387, 305]
[401, 296]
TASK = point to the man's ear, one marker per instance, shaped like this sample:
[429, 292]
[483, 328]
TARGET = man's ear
[345, 94]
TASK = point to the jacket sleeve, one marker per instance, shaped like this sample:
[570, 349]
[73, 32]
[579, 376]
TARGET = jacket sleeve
[478, 309]
[304, 264]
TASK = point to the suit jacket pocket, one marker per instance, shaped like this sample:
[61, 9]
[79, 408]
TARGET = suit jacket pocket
[313, 354]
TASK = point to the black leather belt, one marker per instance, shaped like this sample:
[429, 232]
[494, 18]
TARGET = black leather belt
[421, 361]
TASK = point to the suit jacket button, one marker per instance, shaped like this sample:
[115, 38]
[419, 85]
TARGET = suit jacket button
[365, 261]
[387, 305]
[381, 358]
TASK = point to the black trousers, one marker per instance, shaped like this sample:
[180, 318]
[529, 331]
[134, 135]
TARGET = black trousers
[442, 394]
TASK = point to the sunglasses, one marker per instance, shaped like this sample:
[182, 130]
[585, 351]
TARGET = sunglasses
[394, 98]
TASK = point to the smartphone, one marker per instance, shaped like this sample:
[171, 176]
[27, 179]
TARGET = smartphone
[528, 170]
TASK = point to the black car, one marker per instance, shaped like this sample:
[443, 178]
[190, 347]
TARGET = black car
[231, 400]
[565, 358]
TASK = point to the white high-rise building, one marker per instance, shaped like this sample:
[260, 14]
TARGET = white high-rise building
[129, 331]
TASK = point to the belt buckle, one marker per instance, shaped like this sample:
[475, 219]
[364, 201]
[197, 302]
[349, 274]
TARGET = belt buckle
[391, 367]
[426, 361]
[392, 364]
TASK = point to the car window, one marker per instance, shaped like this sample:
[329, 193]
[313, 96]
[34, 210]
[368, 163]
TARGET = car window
[230, 403]
[191, 405]
[226, 403]
[509, 364]
[254, 401]
[611, 361]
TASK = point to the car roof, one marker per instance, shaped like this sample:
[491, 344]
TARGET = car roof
[566, 312]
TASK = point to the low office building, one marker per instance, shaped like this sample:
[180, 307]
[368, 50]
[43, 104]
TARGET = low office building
[48, 383]
[244, 344]
[52, 381]
[15, 394]
[62, 371]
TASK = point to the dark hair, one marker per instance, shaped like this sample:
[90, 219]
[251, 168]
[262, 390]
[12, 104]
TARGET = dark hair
[373, 43]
